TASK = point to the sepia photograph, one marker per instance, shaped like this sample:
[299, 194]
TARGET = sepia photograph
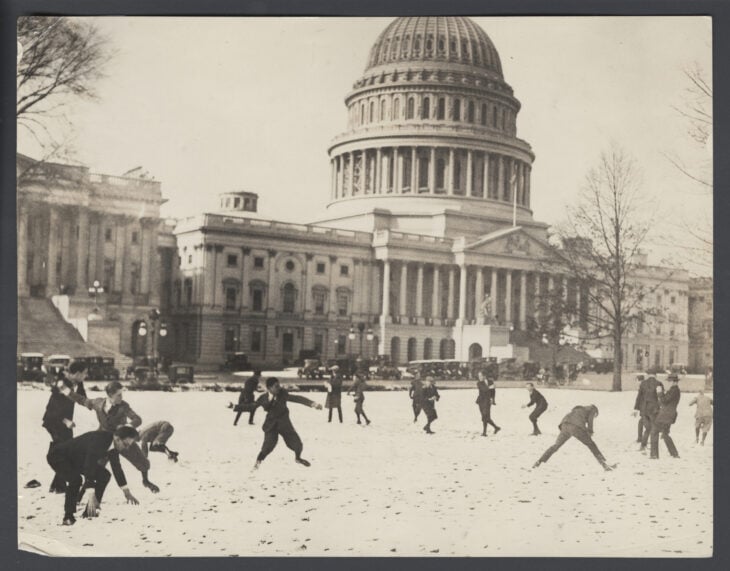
[417, 286]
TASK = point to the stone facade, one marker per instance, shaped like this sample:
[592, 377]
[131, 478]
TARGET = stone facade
[701, 347]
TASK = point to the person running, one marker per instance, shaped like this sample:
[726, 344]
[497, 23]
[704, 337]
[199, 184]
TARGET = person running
[358, 389]
[485, 400]
[647, 404]
[334, 393]
[113, 412]
[277, 422]
[154, 437]
[430, 396]
[246, 400]
[578, 423]
[415, 392]
[664, 419]
[541, 405]
[86, 456]
[58, 418]
[703, 416]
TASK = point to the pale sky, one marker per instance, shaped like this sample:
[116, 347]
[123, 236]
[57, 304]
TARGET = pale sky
[208, 105]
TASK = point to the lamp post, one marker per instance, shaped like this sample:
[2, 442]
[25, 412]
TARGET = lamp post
[361, 330]
[94, 290]
[157, 330]
[351, 337]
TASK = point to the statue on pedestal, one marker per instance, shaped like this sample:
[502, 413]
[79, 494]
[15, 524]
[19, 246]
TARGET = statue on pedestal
[486, 310]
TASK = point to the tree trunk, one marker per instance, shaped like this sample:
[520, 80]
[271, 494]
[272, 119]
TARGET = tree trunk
[617, 360]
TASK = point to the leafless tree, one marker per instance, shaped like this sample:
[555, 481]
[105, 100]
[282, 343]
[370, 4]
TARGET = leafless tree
[600, 247]
[59, 59]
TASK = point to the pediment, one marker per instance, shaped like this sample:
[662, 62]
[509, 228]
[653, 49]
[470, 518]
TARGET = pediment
[508, 242]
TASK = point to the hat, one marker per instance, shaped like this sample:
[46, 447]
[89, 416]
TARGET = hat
[639, 377]
[271, 381]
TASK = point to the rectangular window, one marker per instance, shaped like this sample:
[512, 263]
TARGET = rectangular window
[320, 267]
[319, 343]
[258, 300]
[190, 258]
[319, 299]
[673, 299]
[287, 343]
[230, 343]
[341, 344]
[342, 300]
[344, 270]
[189, 291]
[441, 109]
[232, 261]
[258, 262]
[135, 237]
[108, 235]
[231, 294]
[256, 341]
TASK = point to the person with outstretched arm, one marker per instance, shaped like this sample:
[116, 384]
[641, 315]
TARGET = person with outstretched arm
[541, 405]
[277, 423]
[578, 423]
[85, 456]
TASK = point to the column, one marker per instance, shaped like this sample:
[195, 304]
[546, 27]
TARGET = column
[340, 177]
[245, 293]
[145, 243]
[386, 293]
[500, 177]
[377, 174]
[270, 286]
[478, 295]
[307, 277]
[66, 229]
[469, 171]
[565, 288]
[53, 243]
[578, 313]
[414, 169]
[385, 174]
[462, 292]
[527, 185]
[523, 300]
[485, 175]
[508, 297]
[22, 250]
[127, 259]
[419, 290]
[551, 284]
[450, 173]
[436, 293]
[82, 251]
[493, 293]
[100, 252]
[398, 182]
[451, 296]
[351, 182]
[432, 172]
[538, 294]
[155, 272]
[332, 293]
[119, 235]
[356, 279]
[402, 308]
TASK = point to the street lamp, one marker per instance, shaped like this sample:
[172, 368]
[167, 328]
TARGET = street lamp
[94, 290]
[157, 329]
[351, 337]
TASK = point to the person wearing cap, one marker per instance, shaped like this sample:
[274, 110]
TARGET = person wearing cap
[246, 400]
[59, 414]
[578, 423]
[430, 396]
[485, 400]
[415, 392]
[647, 405]
[358, 388]
[277, 422]
[703, 415]
[334, 393]
[666, 416]
[637, 411]
[541, 405]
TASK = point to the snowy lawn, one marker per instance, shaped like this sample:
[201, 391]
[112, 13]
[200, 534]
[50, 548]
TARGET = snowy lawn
[386, 489]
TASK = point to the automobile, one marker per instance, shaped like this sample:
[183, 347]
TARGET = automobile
[385, 369]
[30, 367]
[237, 362]
[56, 364]
[142, 373]
[181, 373]
[678, 369]
[347, 367]
[306, 354]
[312, 369]
[96, 368]
[108, 370]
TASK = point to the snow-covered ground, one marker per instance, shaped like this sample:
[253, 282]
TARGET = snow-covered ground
[386, 489]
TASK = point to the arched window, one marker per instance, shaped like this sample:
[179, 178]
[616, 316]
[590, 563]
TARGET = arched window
[440, 174]
[288, 298]
[494, 116]
[395, 350]
[417, 46]
[484, 114]
[410, 108]
[396, 108]
[443, 348]
[457, 110]
[441, 110]
[470, 112]
[412, 356]
[362, 113]
[426, 108]
[382, 109]
[457, 175]
[372, 111]
[428, 348]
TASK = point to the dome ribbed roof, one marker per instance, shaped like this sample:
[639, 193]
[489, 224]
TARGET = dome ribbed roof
[453, 39]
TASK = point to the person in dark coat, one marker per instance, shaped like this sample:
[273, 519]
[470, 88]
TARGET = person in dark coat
[640, 427]
[485, 400]
[541, 405]
[246, 400]
[334, 393]
[703, 415]
[274, 402]
[430, 396]
[579, 423]
[86, 456]
[415, 392]
[664, 419]
[647, 404]
[59, 415]
[358, 389]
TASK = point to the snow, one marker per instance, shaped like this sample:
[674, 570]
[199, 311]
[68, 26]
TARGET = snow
[386, 489]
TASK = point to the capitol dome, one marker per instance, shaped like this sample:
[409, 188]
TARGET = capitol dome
[432, 128]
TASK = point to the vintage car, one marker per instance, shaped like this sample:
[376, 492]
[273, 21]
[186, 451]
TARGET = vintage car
[383, 368]
[56, 364]
[30, 367]
[237, 362]
[96, 368]
[181, 373]
[108, 370]
[312, 369]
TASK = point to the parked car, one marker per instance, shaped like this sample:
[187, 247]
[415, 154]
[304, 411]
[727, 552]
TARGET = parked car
[181, 373]
[108, 370]
[30, 367]
[237, 362]
[384, 369]
[96, 368]
[56, 364]
[312, 369]
[305, 355]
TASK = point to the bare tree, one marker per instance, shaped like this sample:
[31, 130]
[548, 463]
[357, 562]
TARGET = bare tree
[59, 59]
[600, 248]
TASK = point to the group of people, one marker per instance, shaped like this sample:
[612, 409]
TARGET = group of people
[79, 462]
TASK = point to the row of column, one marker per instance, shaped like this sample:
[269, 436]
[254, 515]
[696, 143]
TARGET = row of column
[67, 232]
[478, 293]
[403, 169]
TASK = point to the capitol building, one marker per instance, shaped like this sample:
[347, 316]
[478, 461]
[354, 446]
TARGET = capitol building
[428, 246]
